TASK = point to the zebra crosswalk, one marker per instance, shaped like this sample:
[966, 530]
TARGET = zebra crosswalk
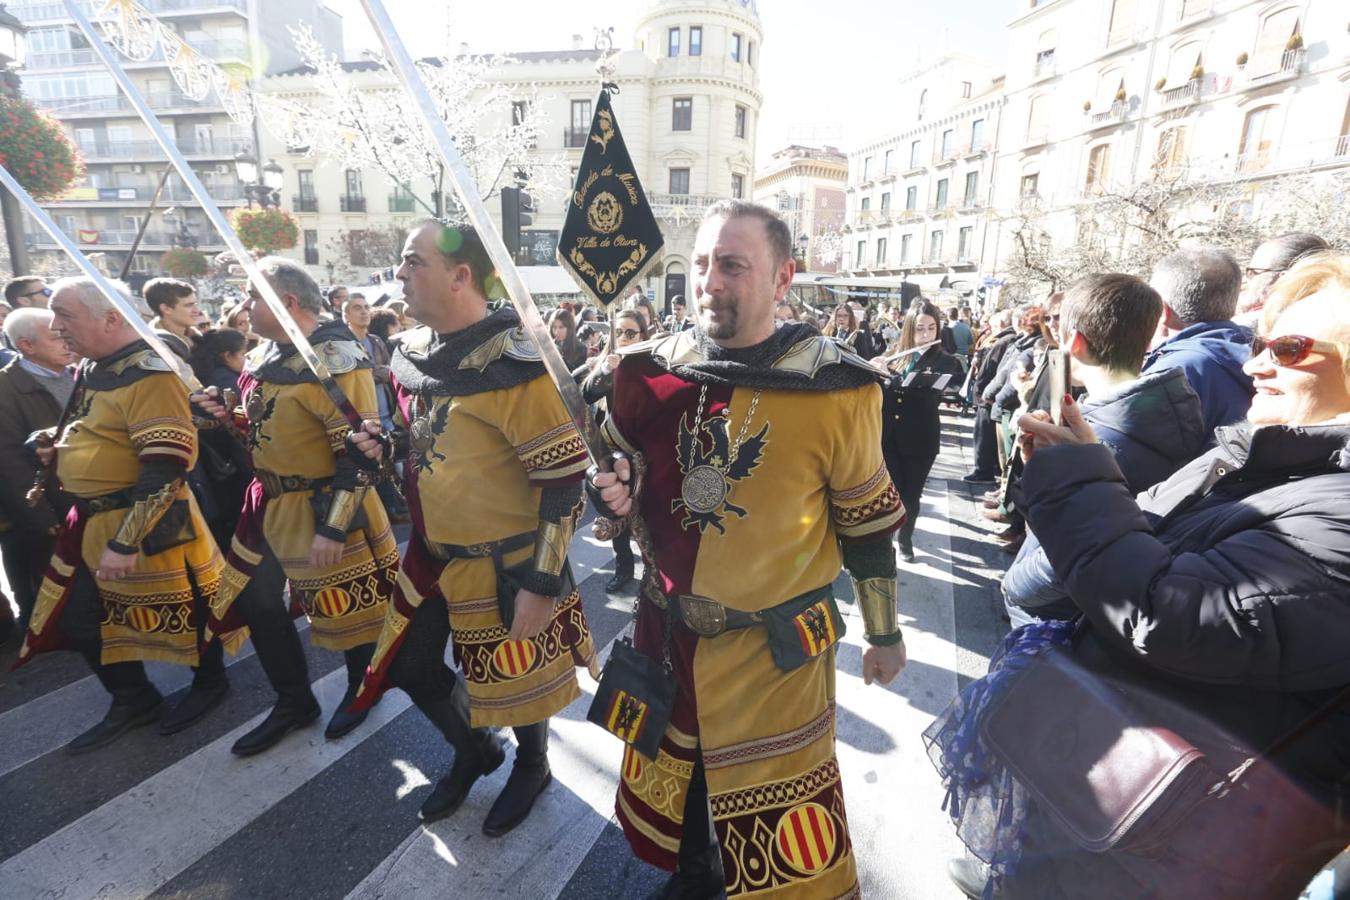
[180, 816]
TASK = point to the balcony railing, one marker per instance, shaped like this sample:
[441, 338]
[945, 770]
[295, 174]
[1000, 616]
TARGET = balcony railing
[1290, 64]
[1038, 137]
[1115, 114]
[349, 203]
[304, 203]
[1179, 96]
[575, 137]
[104, 150]
[35, 12]
[402, 203]
[92, 104]
[689, 204]
[224, 193]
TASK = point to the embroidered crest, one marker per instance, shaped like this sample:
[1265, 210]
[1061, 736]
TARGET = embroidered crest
[259, 409]
[424, 430]
[626, 716]
[815, 630]
[711, 466]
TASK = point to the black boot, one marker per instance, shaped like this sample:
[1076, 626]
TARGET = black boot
[529, 776]
[277, 644]
[623, 565]
[698, 874]
[135, 702]
[477, 752]
[357, 659]
[209, 687]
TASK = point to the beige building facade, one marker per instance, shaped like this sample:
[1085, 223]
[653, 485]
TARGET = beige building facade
[806, 186]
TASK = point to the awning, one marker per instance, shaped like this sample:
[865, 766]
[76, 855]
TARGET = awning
[548, 280]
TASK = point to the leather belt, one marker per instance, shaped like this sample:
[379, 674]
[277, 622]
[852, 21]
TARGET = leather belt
[483, 550]
[701, 615]
[104, 502]
[275, 485]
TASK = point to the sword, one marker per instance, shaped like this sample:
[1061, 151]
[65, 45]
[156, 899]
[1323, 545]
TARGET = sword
[477, 213]
[203, 197]
[133, 318]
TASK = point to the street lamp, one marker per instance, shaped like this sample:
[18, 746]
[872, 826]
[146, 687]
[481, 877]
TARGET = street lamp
[267, 191]
[802, 243]
[13, 55]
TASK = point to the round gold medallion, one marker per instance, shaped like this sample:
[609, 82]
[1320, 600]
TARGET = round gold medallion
[704, 489]
[605, 214]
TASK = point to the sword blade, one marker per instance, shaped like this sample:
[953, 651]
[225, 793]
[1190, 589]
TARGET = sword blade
[147, 334]
[217, 218]
[477, 213]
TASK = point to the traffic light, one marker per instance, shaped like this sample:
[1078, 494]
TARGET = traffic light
[517, 213]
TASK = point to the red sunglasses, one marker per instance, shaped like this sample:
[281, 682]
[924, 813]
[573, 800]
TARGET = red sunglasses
[1291, 349]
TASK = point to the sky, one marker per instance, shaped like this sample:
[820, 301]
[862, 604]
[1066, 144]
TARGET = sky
[870, 44]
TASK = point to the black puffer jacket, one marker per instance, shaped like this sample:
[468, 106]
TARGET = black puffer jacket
[1225, 589]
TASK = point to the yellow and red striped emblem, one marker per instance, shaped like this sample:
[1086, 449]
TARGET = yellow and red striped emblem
[806, 838]
[626, 716]
[332, 602]
[632, 764]
[514, 658]
[143, 619]
[815, 628]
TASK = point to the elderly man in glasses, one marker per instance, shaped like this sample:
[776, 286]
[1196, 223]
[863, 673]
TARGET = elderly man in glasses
[1271, 259]
[1199, 288]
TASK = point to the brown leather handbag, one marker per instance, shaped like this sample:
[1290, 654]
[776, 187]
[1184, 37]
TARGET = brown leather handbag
[1112, 778]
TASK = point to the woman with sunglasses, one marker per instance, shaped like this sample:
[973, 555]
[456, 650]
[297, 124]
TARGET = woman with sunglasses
[628, 327]
[1217, 601]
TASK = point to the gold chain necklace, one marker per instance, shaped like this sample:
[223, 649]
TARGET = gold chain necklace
[705, 487]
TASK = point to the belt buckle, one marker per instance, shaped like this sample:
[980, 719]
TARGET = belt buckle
[706, 618]
[478, 551]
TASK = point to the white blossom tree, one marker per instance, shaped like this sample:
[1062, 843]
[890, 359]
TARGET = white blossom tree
[375, 124]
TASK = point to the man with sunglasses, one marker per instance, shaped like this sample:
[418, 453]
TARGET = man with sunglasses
[1271, 259]
[1199, 287]
[27, 290]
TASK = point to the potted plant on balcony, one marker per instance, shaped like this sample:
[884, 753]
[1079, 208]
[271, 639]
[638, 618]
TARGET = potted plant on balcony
[265, 230]
[1087, 106]
[1198, 72]
[1120, 95]
[35, 149]
[1242, 59]
[1160, 84]
[1295, 42]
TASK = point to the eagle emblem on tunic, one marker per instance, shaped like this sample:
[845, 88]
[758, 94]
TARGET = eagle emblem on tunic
[711, 467]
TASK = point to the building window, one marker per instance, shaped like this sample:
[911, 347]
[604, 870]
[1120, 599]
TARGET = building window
[1257, 132]
[862, 255]
[1276, 30]
[353, 180]
[977, 134]
[866, 204]
[965, 90]
[941, 200]
[1045, 54]
[741, 114]
[948, 143]
[963, 242]
[1122, 21]
[1030, 187]
[736, 46]
[695, 40]
[923, 100]
[1195, 7]
[673, 42]
[888, 167]
[906, 246]
[1184, 60]
[679, 181]
[306, 179]
[972, 187]
[737, 186]
[1037, 130]
[911, 197]
[1171, 156]
[914, 155]
[886, 203]
[749, 53]
[311, 247]
[520, 111]
[682, 114]
[1099, 169]
[581, 124]
[881, 253]
[935, 247]
[867, 169]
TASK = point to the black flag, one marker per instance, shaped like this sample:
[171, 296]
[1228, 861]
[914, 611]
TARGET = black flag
[610, 236]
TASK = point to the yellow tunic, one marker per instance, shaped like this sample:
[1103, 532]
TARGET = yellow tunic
[298, 432]
[150, 614]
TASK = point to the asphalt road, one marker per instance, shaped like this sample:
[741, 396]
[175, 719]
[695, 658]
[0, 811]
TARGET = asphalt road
[179, 816]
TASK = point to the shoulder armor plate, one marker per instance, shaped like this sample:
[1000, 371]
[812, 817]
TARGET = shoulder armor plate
[809, 356]
[513, 343]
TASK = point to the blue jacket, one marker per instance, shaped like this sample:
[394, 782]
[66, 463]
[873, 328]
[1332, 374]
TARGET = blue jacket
[1212, 355]
[1152, 427]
